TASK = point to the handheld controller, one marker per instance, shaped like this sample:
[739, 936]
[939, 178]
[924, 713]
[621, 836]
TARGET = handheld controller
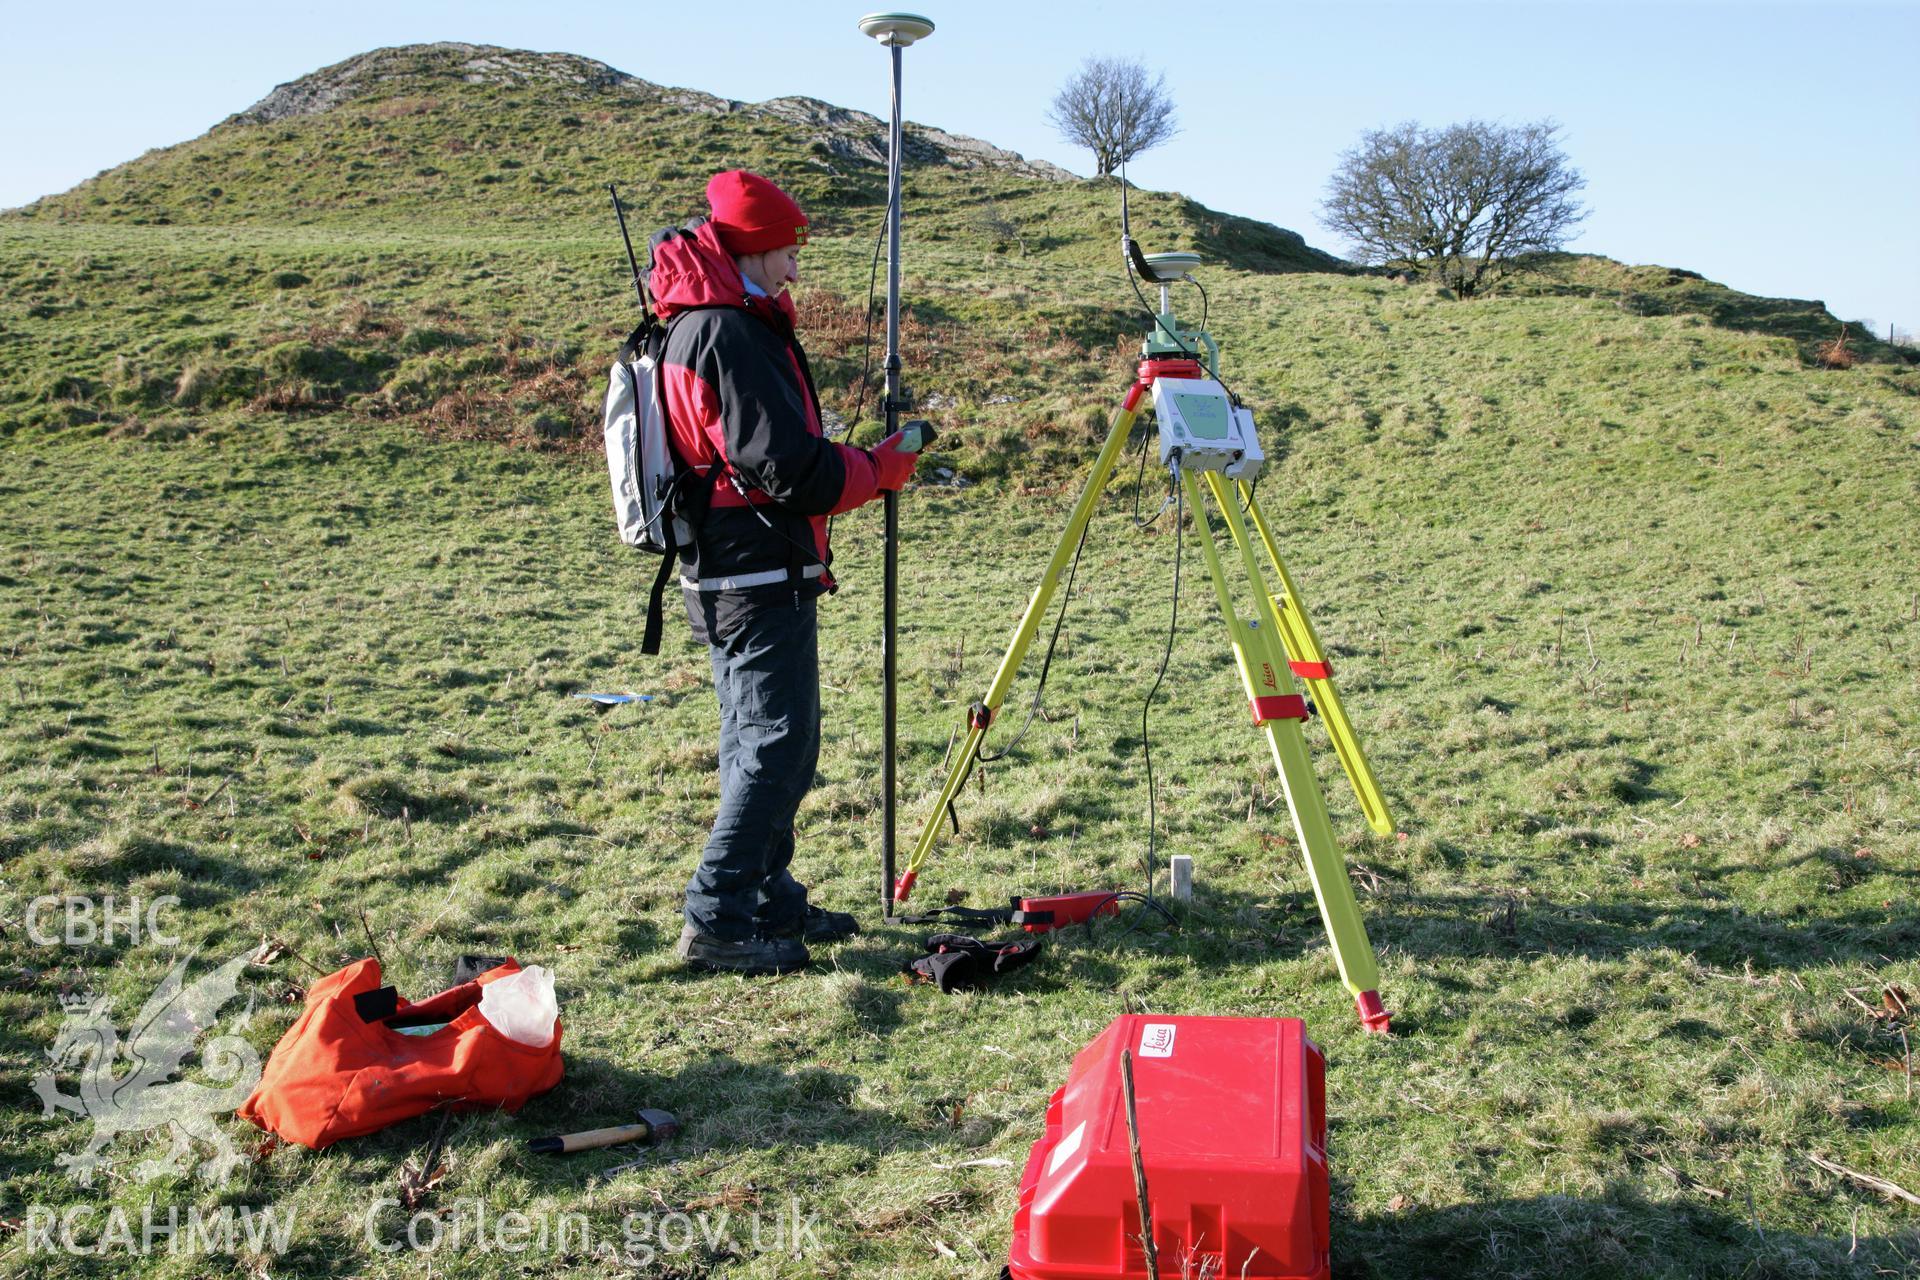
[916, 435]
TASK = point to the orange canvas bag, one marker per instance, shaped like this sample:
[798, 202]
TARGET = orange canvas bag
[344, 1070]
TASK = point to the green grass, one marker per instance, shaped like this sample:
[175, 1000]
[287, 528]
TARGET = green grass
[1621, 596]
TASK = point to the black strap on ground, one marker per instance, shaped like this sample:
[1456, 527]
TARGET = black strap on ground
[1011, 914]
[971, 915]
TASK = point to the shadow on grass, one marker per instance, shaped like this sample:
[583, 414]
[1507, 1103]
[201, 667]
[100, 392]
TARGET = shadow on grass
[1231, 927]
[723, 1103]
[1714, 933]
[1571, 1238]
[639, 936]
[210, 877]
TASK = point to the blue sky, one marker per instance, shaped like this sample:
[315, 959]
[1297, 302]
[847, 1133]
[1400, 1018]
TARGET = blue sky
[1775, 147]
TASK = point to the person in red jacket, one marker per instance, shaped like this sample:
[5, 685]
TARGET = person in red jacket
[744, 415]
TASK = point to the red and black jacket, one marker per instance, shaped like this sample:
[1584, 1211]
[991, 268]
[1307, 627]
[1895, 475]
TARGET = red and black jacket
[740, 398]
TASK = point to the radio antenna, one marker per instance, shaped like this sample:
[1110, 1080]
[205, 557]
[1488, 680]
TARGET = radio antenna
[633, 262]
[1129, 250]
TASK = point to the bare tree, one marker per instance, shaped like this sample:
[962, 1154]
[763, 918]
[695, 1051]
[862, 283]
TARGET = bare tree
[999, 226]
[1110, 107]
[1459, 203]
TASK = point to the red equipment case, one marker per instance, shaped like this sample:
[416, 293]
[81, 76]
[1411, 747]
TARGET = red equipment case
[1233, 1134]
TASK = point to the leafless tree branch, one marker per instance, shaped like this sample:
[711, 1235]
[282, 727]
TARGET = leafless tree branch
[1460, 203]
[1113, 109]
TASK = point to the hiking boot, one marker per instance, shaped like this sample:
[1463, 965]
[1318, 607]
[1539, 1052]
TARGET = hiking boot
[820, 925]
[750, 956]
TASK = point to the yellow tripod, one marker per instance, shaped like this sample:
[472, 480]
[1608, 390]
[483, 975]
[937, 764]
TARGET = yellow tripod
[1270, 648]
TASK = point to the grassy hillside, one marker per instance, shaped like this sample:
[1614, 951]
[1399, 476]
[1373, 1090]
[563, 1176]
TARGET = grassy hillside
[441, 228]
[1621, 588]
[470, 138]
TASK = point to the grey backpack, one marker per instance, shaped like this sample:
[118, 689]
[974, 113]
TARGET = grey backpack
[654, 495]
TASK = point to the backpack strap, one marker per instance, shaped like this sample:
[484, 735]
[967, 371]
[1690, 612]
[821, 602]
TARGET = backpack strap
[684, 495]
[656, 607]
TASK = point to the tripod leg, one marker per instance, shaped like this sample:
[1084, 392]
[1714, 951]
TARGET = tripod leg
[1023, 635]
[1309, 661]
[1278, 711]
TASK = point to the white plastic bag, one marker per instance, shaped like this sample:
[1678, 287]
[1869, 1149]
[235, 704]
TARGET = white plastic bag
[521, 1005]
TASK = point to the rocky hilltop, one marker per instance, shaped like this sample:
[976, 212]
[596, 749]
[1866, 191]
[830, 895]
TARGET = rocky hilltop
[839, 131]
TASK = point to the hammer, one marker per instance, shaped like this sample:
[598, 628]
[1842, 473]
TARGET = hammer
[653, 1126]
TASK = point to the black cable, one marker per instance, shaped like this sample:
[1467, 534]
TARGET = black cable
[1173, 622]
[1046, 665]
[1140, 480]
[810, 553]
[866, 358]
[866, 341]
[1140, 484]
[1206, 303]
[1147, 903]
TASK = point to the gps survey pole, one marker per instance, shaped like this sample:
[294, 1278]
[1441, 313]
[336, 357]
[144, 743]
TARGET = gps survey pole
[896, 31]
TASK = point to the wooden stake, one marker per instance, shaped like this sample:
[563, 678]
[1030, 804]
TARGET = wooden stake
[1139, 1169]
[368, 930]
[1881, 1185]
[1181, 868]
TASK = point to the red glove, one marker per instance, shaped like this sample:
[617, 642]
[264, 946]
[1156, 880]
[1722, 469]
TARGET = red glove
[893, 466]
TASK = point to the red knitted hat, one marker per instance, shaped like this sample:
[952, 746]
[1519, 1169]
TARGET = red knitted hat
[751, 215]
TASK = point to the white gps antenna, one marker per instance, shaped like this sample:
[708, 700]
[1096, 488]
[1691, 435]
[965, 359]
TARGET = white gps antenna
[895, 31]
[892, 29]
[1176, 264]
